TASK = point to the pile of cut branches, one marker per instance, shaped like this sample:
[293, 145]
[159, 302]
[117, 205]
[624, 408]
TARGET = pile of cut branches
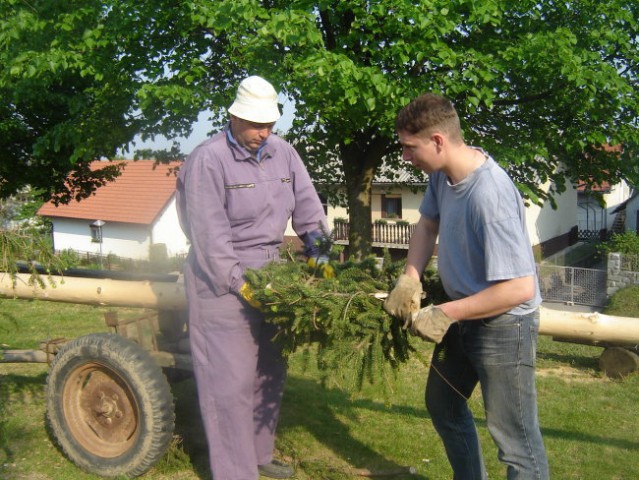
[339, 318]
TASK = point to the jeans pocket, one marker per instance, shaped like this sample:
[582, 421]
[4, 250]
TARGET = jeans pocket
[499, 340]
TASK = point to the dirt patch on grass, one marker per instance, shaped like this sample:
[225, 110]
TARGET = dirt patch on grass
[569, 374]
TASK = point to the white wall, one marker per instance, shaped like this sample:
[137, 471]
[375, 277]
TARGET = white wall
[619, 193]
[410, 202]
[167, 230]
[122, 239]
[544, 223]
[592, 216]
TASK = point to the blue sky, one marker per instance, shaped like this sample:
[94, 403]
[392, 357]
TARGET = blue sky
[202, 128]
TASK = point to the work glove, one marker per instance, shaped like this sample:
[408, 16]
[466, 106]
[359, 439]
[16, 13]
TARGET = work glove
[404, 299]
[430, 323]
[246, 292]
[321, 265]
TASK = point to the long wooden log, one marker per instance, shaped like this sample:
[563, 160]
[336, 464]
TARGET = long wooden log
[566, 325]
[96, 291]
[594, 328]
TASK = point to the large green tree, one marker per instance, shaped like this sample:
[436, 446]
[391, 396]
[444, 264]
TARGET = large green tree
[542, 85]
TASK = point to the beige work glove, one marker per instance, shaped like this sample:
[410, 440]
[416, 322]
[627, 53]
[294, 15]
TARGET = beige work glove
[404, 299]
[430, 323]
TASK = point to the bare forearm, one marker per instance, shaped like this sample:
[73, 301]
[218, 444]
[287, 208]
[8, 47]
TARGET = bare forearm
[494, 300]
[421, 247]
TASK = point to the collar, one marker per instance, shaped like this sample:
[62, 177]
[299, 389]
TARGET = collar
[242, 153]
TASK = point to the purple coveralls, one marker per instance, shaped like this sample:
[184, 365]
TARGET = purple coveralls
[234, 210]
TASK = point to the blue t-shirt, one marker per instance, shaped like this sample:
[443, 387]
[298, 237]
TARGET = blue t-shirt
[482, 232]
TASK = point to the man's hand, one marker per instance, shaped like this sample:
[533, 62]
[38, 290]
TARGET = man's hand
[246, 292]
[322, 265]
[404, 299]
[430, 323]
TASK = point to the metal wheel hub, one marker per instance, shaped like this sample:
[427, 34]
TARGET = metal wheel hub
[101, 410]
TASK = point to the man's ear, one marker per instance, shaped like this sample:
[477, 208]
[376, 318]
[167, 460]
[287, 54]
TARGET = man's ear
[438, 138]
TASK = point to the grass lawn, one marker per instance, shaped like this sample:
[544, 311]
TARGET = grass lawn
[589, 422]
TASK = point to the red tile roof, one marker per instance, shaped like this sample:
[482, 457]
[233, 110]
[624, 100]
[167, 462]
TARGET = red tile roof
[603, 187]
[138, 195]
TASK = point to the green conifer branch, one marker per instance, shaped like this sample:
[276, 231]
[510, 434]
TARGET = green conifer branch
[355, 341]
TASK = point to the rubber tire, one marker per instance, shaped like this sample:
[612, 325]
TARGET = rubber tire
[108, 406]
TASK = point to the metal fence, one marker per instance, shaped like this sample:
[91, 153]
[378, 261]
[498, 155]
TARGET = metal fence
[572, 285]
[592, 236]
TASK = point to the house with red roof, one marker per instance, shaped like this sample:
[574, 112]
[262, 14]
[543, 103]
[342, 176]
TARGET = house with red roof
[137, 211]
[126, 217]
[603, 207]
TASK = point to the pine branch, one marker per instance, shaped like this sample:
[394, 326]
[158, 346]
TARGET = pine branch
[355, 340]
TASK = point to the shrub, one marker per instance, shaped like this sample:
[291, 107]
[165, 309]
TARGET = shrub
[627, 242]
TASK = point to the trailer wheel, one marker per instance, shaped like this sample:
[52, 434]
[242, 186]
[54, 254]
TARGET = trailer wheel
[109, 407]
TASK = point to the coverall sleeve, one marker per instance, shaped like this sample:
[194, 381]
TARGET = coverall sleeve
[308, 219]
[201, 200]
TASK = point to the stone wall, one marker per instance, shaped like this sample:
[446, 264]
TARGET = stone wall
[617, 277]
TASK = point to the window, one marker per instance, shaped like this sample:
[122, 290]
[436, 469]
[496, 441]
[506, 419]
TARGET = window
[391, 206]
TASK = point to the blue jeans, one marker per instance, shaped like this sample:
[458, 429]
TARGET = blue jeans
[499, 353]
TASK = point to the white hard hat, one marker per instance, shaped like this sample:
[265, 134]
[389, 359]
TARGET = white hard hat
[256, 101]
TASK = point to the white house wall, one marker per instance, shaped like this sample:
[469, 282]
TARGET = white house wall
[592, 216]
[545, 223]
[167, 231]
[619, 193]
[124, 240]
[410, 202]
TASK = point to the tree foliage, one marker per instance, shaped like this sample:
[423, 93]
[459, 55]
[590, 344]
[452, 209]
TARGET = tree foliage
[543, 86]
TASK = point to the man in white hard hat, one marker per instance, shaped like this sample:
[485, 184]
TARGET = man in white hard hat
[235, 194]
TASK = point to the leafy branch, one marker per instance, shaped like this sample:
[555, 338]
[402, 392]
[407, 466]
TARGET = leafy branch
[20, 252]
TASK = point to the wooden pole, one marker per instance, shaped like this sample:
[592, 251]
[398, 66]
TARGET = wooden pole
[594, 328]
[96, 291]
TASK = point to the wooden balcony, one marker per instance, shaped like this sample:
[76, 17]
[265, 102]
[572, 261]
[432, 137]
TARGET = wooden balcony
[386, 235]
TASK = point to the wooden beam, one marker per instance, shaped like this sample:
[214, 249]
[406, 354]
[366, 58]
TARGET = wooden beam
[589, 327]
[97, 291]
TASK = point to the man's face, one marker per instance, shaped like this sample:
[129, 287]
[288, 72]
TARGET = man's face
[420, 150]
[249, 134]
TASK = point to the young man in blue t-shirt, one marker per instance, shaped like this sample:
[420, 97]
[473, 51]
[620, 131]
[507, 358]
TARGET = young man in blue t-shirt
[487, 332]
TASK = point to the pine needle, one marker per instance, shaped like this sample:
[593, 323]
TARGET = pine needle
[355, 340]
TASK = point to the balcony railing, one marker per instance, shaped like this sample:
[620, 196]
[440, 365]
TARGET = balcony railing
[383, 234]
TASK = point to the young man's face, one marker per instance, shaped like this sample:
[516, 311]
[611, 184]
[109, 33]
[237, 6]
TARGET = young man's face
[249, 134]
[420, 150]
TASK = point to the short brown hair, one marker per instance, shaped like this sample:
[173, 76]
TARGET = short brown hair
[427, 113]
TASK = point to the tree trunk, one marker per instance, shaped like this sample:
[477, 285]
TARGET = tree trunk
[360, 160]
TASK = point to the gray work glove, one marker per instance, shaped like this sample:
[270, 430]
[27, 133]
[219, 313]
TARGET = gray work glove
[404, 299]
[430, 323]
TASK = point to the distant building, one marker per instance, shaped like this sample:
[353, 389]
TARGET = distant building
[137, 210]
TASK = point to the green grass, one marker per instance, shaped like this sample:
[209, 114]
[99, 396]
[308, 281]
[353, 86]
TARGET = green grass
[589, 422]
[625, 303]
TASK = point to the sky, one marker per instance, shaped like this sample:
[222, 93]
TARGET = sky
[202, 128]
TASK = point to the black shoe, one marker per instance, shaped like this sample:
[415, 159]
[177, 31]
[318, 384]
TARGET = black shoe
[275, 469]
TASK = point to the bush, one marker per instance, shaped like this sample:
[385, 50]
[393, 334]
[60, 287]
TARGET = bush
[627, 242]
